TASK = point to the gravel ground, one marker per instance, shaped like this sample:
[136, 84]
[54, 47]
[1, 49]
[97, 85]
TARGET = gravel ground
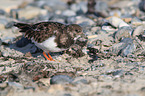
[113, 63]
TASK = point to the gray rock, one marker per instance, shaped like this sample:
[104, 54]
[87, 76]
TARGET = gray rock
[101, 6]
[117, 22]
[123, 32]
[128, 49]
[61, 79]
[79, 8]
[30, 12]
[139, 30]
[142, 5]
[68, 13]
[14, 84]
[3, 22]
[14, 13]
[9, 24]
[0, 42]
[7, 5]
[39, 3]
[79, 80]
[50, 5]
[8, 39]
[57, 18]
[115, 72]
[116, 48]
[81, 20]
[125, 47]
[2, 12]
[127, 41]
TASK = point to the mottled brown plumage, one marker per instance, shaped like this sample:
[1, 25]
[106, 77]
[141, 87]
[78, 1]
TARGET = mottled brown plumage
[39, 32]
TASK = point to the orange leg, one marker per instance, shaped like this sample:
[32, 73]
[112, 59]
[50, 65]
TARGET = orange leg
[48, 58]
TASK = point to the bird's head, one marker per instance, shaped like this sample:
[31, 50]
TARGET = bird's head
[74, 30]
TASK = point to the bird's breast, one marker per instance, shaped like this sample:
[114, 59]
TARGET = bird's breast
[49, 45]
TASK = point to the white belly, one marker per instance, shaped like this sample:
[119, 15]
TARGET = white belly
[48, 45]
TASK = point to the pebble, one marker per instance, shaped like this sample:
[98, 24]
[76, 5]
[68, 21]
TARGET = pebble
[68, 13]
[116, 73]
[30, 12]
[81, 20]
[61, 79]
[79, 80]
[14, 13]
[138, 30]
[9, 24]
[2, 12]
[117, 22]
[125, 47]
[101, 6]
[7, 5]
[58, 18]
[123, 4]
[3, 22]
[18, 86]
[116, 48]
[51, 5]
[142, 5]
[80, 8]
[39, 3]
[0, 42]
[130, 48]
[123, 32]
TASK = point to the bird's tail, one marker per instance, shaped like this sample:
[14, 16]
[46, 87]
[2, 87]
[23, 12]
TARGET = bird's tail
[24, 27]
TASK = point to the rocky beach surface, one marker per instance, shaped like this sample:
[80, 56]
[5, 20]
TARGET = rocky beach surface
[113, 61]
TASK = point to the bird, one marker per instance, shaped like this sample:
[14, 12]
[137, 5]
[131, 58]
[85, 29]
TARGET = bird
[51, 36]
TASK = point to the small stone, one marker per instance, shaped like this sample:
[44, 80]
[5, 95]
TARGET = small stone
[30, 12]
[123, 32]
[45, 81]
[68, 13]
[14, 84]
[116, 48]
[79, 8]
[0, 42]
[123, 4]
[81, 20]
[3, 85]
[115, 72]
[117, 22]
[51, 5]
[139, 30]
[101, 6]
[79, 80]
[28, 54]
[61, 79]
[2, 12]
[14, 13]
[7, 5]
[142, 5]
[9, 24]
[38, 3]
[127, 50]
[3, 22]
[58, 18]
[22, 42]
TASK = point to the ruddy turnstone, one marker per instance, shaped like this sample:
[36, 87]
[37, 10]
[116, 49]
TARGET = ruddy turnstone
[51, 36]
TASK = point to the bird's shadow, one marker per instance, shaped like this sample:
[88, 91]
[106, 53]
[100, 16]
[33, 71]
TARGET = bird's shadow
[31, 48]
